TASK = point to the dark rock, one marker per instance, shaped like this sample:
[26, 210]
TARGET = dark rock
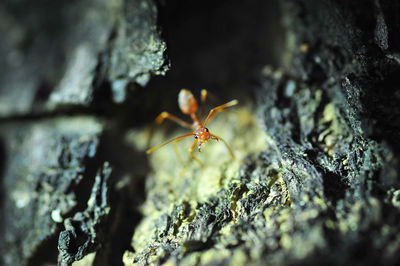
[137, 51]
[78, 239]
[59, 55]
[318, 184]
[324, 191]
[43, 162]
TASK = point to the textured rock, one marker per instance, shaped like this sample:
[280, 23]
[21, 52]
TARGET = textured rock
[324, 190]
[316, 138]
[189, 210]
[43, 162]
[69, 59]
[78, 239]
[64, 59]
[137, 51]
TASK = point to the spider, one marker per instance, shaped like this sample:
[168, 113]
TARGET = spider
[188, 105]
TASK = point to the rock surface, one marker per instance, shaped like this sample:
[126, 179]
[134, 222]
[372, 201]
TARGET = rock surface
[325, 189]
[45, 164]
[316, 136]
[62, 54]
[60, 69]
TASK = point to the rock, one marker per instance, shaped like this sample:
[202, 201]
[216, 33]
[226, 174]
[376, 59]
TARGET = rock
[78, 239]
[64, 59]
[324, 190]
[43, 161]
[315, 179]
[137, 52]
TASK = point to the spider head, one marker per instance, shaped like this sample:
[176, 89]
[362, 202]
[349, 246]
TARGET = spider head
[202, 134]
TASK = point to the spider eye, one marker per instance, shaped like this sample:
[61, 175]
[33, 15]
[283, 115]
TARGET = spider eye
[195, 136]
[206, 129]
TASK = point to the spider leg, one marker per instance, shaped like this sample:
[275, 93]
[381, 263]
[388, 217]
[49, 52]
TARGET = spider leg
[193, 156]
[204, 94]
[165, 115]
[213, 112]
[177, 152]
[168, 141]
[226, 144]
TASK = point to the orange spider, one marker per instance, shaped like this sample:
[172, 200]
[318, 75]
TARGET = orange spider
[188, 105]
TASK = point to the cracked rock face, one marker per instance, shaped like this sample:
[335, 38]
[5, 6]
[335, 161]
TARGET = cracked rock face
[324, 189]
[315, 178]
[43, 161]
[59, 63]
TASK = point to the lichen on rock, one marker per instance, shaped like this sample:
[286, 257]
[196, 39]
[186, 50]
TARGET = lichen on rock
[186, 205]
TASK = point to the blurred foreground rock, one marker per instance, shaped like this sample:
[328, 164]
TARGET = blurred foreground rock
[62, 66]
[62, 54]
[45, 161]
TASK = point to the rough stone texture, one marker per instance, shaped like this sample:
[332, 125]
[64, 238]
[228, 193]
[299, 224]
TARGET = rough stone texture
[316, 138]
[136, 54]
[44, 161]
[325, 191]
[59, 55]
[59, 63]
[79, 238]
